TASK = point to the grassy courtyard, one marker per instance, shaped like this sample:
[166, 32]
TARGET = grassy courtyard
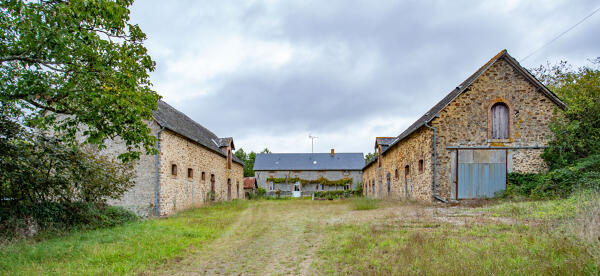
[356, 236]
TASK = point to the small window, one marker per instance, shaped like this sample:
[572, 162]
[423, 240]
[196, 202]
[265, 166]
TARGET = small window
[203, 176]
[190, 173]
[406, 171]
[174, 169]
[421, 166]
[396, 175]
[212, 178]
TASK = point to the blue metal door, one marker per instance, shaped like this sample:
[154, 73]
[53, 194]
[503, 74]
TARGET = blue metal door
[481, 173]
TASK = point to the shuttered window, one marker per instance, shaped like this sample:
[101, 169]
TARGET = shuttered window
[499, 121]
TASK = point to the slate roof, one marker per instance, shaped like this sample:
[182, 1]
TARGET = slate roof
[309, 161]
[433, 112]
[172, 119]
[385, 142]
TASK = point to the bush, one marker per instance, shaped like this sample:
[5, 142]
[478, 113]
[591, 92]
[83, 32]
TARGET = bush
[258, 193]
[53, 217]
[338, 194]
[559, 183]
[35, 169]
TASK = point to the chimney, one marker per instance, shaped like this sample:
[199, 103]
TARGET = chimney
[332, 152]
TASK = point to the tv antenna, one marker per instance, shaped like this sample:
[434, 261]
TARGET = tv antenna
[312, 141]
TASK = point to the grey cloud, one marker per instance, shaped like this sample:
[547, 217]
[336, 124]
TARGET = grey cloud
[423, 49]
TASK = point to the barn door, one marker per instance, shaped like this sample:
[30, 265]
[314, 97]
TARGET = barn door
[481, 173]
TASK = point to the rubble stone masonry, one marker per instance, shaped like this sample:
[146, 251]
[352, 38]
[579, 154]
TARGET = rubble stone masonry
[464, 122]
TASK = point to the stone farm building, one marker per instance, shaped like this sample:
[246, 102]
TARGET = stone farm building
[301, 174]
[193, 166]
[495, 122]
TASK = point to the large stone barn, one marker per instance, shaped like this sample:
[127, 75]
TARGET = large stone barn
[302, 174]
[193, 166]
[495, 122]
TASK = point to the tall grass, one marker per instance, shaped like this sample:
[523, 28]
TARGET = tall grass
[450, 250]
[128, 249]
[364, 203]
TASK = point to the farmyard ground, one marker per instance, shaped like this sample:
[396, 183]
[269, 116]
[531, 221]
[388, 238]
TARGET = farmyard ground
[304, 237]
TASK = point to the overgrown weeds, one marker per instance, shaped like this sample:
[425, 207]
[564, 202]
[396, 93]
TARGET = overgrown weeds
[451, 250]
[363, 203]
[50, 219]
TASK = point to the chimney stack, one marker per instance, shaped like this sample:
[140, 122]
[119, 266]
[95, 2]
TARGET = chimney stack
[332, 152]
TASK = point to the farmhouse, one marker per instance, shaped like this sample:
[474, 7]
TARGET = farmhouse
[302, 174]
[495, 122]
[193, 166]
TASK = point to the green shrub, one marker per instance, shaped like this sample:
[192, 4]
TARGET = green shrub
[338, 194]
[258, 193]
[53, 217]
[559, 183]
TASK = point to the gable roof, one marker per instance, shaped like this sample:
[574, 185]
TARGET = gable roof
[309, 161]
[385, 142]
[433, 112]
[170, 118]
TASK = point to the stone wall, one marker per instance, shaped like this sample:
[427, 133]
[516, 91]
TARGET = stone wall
[262, 176]
[179, 192]
[141, 198]
[465, 123]
[417, 184]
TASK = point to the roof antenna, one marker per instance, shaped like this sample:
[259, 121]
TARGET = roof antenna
[312, 141]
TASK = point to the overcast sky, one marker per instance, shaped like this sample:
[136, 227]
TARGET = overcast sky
[268, 73]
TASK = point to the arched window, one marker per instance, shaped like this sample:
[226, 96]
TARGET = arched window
[499, 123]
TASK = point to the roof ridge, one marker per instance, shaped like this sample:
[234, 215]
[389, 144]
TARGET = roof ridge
[432, 112]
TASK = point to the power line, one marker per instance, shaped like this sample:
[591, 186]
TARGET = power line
[561, 34]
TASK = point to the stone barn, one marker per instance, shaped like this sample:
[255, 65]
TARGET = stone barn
[495, 122]
[193, 166]
[302, 174]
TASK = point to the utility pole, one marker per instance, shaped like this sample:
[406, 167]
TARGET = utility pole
[312, 140]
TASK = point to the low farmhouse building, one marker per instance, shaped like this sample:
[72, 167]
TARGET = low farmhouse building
[249, 186]
[302, 174]
[495, 122]
[193, 166]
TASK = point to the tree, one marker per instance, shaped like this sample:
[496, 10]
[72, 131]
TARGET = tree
[577, 135]
[81, 59]
[266, 150]
[369, 156]
[248, 160]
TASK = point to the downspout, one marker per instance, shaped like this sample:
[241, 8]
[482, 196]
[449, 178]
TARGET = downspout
[156, 186]
[435, 164]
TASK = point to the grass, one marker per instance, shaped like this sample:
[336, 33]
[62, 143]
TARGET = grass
[128, 249]
[326, 237]
[540, 237]
[364, 203]
[543, 209]
[450, 250]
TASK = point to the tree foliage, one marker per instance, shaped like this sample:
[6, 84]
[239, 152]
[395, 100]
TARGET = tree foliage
[369, 156]
[248, 159]
[35, 169]
[577, 135]
[82, 59]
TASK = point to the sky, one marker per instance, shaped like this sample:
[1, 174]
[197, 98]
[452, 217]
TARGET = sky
[269, 73]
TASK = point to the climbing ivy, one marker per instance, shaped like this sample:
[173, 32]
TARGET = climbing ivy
[321, 180]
